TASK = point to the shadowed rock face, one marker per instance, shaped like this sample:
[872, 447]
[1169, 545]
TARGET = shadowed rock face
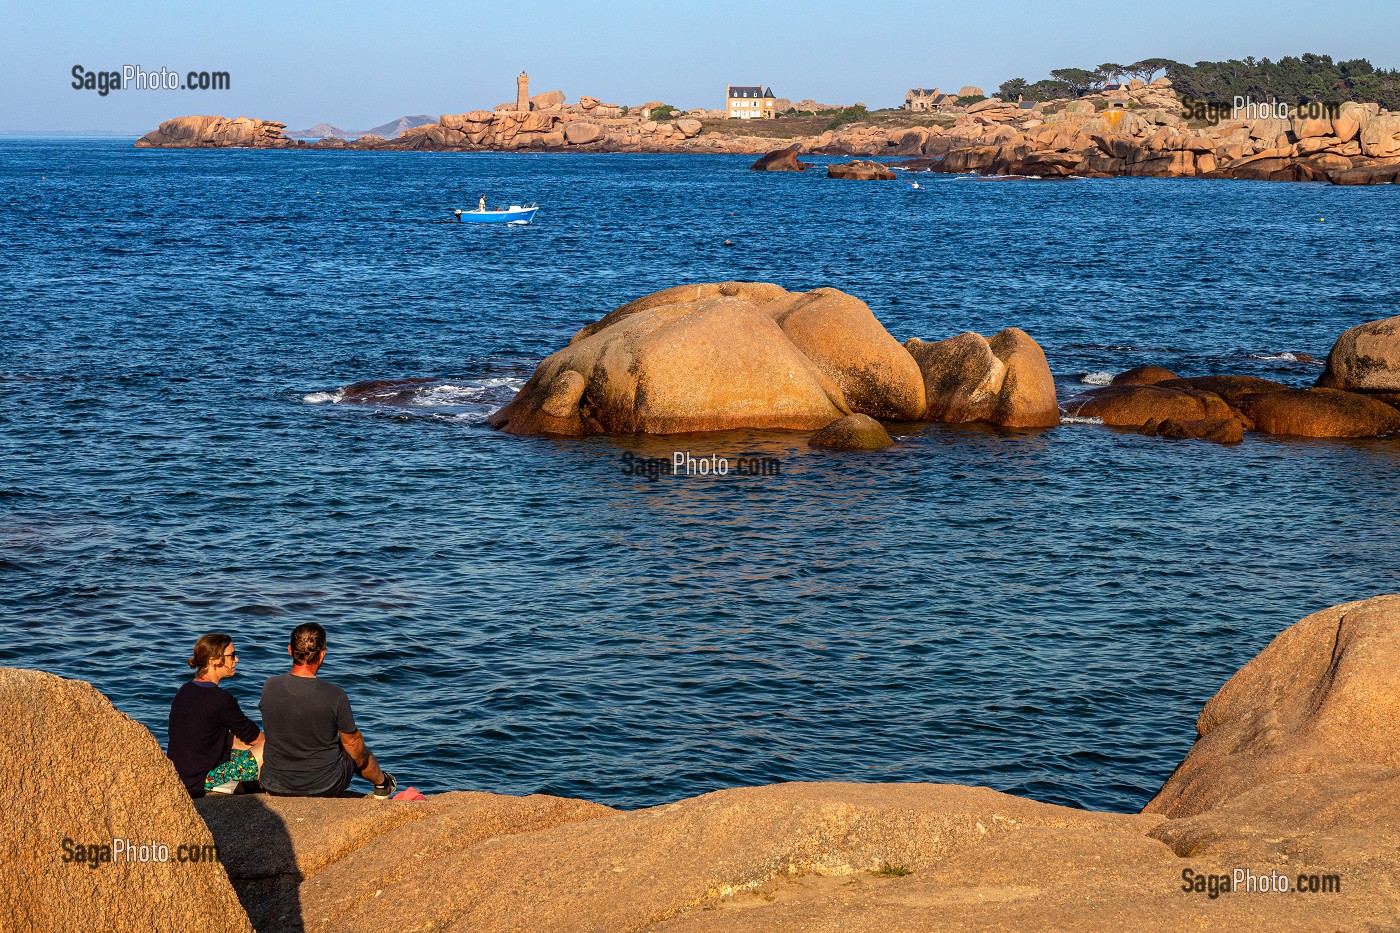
[72, 767]
[1004, 381]
[853, 432]
[840, 334]
[1365, 358]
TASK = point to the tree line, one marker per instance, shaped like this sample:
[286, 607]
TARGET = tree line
[1304, 79]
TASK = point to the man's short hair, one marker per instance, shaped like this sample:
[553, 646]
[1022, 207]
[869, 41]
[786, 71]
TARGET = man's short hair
[307, 642]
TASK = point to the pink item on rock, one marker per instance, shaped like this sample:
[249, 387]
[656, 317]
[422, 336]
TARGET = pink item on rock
[411, 793]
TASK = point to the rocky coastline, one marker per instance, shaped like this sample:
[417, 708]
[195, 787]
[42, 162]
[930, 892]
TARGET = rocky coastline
[1293, 776]
[726, 355]
[1137, 130]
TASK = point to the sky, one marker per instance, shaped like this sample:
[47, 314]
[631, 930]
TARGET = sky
[356, 64]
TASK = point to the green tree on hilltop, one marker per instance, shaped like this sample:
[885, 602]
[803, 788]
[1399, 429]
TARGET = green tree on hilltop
[1012, 89]
[1079, 80]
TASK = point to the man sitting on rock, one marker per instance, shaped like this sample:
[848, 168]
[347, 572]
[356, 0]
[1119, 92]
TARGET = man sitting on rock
[313, 748]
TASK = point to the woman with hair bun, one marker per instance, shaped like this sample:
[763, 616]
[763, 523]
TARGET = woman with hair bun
[212, 744]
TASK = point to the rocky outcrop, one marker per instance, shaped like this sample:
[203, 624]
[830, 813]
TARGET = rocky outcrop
[781, 160]
[1133, 406]
[687, 359]
[1294, 773]
[209, 132]
[724, 355]
[853, 432]
[1004, 381]
[860, 170]
[1138, 132]
[1365, 358]
[1321, 413]
[79, 781]
[1316, 709]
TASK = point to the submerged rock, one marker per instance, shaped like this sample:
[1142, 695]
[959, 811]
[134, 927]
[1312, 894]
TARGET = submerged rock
[853, 432]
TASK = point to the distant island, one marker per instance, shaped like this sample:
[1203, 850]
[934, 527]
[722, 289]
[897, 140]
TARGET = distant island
[391, 130]
[1110, 121]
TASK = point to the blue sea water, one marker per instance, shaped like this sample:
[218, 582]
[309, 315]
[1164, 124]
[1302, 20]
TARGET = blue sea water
[1043, 612]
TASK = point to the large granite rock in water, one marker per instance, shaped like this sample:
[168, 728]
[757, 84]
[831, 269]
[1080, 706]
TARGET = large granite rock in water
[1365, 358]
[1321, 413]
[75, 777]
[781, 160]
[1004, 381]
[203, 132]
[860, 169]
[716, 356]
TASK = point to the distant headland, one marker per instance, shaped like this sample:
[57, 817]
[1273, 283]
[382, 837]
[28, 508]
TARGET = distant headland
[1101, 127]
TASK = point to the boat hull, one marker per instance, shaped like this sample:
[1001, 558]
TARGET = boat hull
[514, 216]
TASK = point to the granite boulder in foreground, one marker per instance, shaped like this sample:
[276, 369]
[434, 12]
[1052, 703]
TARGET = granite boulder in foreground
[724, 355]
[1295, 774]
[75, 777]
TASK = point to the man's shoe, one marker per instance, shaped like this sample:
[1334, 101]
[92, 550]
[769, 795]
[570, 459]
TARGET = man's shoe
[386, 790]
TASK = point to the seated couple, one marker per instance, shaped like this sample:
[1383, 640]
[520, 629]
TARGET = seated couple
[312, 747]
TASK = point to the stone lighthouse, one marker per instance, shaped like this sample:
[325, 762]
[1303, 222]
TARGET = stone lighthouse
[522, 93]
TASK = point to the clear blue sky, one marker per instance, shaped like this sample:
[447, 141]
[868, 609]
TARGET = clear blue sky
[357, 64]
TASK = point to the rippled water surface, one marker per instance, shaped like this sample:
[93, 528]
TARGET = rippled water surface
[1042, 612]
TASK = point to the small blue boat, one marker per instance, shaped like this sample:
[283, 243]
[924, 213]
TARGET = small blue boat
[515, 214]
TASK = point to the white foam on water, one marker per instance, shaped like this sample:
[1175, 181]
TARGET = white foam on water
[1284, 357]
[448, 395]
[318, 398]
[1096, 379]
[511, 382]
[1076, 419]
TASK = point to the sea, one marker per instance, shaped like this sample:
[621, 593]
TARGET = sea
[1042, 612]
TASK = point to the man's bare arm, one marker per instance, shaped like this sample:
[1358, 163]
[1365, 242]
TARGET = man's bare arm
[365, 764]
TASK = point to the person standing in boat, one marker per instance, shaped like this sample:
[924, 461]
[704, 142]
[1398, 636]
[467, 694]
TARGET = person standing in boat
[481, 205]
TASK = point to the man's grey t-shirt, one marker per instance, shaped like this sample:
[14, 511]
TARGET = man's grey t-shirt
[302, 719]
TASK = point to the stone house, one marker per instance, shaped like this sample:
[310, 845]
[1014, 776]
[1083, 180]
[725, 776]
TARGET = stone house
[920, 99]
[749, 102]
